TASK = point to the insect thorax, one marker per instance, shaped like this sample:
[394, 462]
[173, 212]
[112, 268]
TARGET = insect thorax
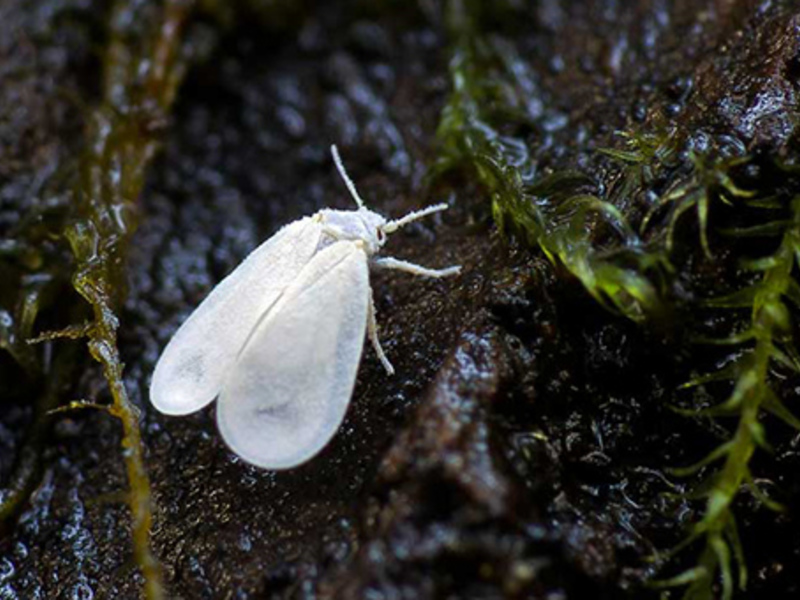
[357, 225]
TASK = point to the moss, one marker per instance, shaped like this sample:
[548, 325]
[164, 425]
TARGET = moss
[665, 175]
[140, 84]
[708, 179]
[27, 470]
[143, 66]
[34, 268]
[767, 346]
[710, 175]
[558, 212]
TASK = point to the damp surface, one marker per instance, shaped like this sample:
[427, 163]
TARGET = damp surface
[523, 449]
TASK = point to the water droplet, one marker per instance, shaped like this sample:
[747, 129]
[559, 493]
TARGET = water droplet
[7, 570]
[82, 591]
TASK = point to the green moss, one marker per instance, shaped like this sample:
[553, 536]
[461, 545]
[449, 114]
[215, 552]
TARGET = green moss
[707, 180]
[629, 269]
[143, 65]
[34, 269]
[558, 213]
[27, 470]
[768, 345]
[121, 140]
[710, 177]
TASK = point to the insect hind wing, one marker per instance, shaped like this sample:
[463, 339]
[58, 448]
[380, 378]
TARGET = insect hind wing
[289, 390]
[192, 367]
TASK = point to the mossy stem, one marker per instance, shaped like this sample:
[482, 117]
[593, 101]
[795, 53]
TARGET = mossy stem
[769, 321]
[140, 85]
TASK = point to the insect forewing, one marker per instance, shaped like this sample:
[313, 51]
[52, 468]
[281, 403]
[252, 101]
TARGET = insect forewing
[193, 366]
[289, 390]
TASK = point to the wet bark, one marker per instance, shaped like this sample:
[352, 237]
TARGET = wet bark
[523, 448]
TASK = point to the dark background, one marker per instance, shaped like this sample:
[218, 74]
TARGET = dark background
[522, 450]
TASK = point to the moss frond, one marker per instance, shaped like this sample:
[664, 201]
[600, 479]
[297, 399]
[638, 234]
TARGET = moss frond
[619, 266]
[557, 212]
[751, 397]
[645, 156]
[120, 143]
[709, 178]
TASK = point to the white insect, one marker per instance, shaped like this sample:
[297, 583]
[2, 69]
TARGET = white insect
[279, 340]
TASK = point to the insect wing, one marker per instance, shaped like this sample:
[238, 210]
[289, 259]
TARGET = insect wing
[290, 388]
[190, 372]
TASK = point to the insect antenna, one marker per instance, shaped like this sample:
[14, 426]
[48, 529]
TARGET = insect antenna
[347, 181]
[393, 226]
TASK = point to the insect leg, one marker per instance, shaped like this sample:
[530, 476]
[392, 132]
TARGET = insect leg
[372, 332]
[408, 267]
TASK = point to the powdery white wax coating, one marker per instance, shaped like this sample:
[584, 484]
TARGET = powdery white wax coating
[363, 225]
[279, 340]
[288, 392]
[201, 354]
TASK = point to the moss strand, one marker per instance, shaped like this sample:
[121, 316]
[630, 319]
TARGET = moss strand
[140, 84]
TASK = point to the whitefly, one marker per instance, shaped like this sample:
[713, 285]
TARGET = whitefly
[278, 342]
